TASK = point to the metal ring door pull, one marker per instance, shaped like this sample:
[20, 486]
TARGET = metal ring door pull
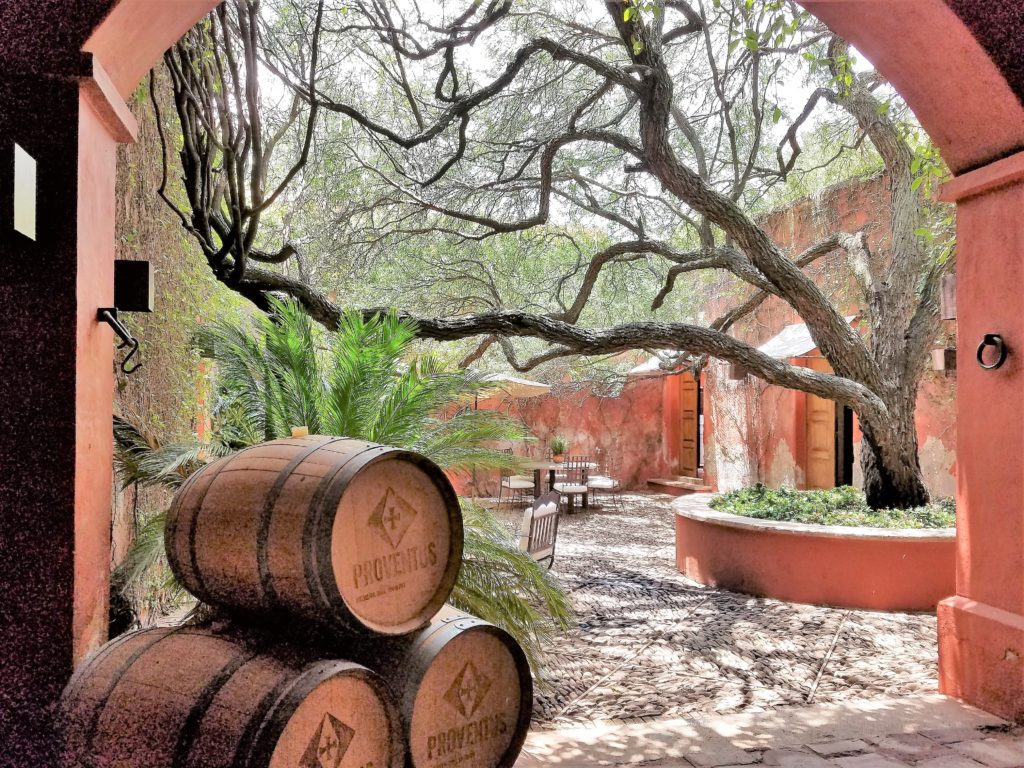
[992, 340]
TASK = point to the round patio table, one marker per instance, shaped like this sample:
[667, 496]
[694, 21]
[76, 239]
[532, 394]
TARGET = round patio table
[538, 465]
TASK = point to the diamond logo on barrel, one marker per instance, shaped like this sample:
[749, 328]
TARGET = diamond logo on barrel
[467, 690]
[392, 517]
[329, 744]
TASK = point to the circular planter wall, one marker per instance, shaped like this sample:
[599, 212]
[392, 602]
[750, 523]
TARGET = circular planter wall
[871, 568]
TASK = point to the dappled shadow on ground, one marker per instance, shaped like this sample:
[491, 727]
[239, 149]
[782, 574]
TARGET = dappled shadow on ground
[650, 643]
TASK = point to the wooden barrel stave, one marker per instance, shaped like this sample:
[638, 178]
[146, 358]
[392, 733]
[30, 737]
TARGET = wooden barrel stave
[424, 670]
[179, 530]
[295, 526]
[468, 697]
[189, 698]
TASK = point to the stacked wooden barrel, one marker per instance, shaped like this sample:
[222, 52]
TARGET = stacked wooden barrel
[329, 561]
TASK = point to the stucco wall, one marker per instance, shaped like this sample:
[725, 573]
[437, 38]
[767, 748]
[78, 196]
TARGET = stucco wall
[752, 432]
[628, 425]
[759, 430]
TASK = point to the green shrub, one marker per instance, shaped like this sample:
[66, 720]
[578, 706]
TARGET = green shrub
[845, 505]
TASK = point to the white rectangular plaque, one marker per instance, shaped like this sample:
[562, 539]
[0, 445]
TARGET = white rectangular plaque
[24, 192]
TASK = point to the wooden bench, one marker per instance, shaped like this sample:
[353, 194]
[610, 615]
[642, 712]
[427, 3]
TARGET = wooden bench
[540, 528]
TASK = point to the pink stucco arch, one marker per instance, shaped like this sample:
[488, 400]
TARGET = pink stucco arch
[954, 70]
[66, 67]
[136, 33]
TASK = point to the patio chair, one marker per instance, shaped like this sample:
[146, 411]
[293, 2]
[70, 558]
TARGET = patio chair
[607, 479]
[540, 528]
[508, 451]
[516, 485]
[574, 481]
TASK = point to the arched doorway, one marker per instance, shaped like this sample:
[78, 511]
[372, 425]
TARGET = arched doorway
[67, 69]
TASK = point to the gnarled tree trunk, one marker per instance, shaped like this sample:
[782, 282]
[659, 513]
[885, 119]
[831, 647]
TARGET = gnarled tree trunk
[889, 460]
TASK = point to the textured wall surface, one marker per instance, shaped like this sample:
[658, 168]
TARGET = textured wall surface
[760, 429]
[629, 426]
[999, 26]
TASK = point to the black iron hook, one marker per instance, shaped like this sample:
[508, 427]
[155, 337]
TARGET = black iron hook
[108, 315]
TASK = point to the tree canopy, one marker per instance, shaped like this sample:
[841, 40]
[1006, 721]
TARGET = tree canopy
[574, 174]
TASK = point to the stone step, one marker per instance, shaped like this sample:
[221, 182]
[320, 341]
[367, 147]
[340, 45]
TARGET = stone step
[874, 731]
[678, 486]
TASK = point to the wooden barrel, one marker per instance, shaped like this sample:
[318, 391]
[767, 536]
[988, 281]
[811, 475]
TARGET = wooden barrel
[464, 690]
[185, 698]
[331, 529]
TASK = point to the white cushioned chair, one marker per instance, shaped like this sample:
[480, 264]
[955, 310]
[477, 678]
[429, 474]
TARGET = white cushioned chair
[517, 488]
[574, 481]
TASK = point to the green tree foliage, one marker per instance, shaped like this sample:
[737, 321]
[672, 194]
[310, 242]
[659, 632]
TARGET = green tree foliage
[567, 173]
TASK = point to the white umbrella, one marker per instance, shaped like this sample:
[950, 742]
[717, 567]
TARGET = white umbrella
[514, 386]
[652, 366]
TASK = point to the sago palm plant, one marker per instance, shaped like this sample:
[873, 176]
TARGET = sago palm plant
[365, 382]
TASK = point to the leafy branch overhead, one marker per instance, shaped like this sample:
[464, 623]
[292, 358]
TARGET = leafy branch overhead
[560, 172]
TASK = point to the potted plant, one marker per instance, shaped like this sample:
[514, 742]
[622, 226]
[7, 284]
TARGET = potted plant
[558, 447]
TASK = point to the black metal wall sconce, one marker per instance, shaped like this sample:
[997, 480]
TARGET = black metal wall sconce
[995, 341]
[133, 292]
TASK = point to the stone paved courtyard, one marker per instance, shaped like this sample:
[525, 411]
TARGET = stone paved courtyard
[930, 731]
[652, 644]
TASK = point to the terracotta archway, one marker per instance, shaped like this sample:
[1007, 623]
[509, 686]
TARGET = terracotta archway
[63, 88]
[960, 66]
[66, 68]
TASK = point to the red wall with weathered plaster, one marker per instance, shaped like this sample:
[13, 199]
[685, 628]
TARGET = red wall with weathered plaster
[628, 425]
[97, 159]
[982, 629]
[758, 430]
[754, 432]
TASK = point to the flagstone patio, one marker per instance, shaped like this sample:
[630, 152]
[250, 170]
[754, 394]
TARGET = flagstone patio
[661, 671]
[651, 643]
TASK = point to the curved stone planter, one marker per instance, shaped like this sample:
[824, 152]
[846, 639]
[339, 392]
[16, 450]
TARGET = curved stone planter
[871, 568]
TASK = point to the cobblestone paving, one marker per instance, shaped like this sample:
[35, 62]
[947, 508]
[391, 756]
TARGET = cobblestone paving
[651, 643]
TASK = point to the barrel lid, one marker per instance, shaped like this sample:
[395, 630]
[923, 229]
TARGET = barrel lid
[396, 542]
[336, 715]
[472, 703]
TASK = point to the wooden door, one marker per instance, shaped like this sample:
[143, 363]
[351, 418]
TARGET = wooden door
[821, 435]
[689, 432]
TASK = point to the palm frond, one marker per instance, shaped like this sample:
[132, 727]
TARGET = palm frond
[131, 446]
[504, 585]
[145, 552]
[290, 351]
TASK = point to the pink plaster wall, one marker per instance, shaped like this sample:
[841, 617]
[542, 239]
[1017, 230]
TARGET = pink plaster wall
[629, 425]
[752, 432]
[94, 385]
[760, 430]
